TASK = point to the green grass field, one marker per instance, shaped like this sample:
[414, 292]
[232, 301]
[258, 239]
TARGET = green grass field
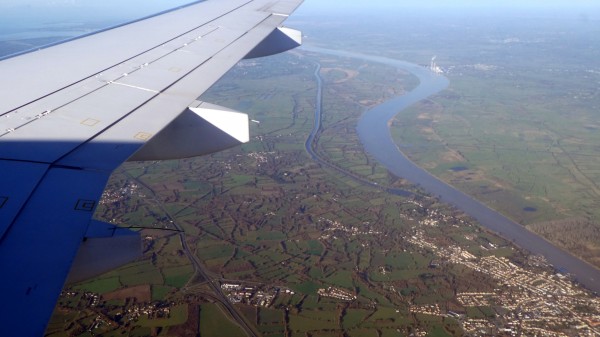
[214, 323]
[525, 150]
[178, 315]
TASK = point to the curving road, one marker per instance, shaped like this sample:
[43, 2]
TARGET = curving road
[373, 130]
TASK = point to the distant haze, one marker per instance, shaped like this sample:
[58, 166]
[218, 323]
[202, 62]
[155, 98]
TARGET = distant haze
[22, 19]
[160, 4]
[26, 19]
[532, 7]
[452, 3]
[124, 10]
[86, 10]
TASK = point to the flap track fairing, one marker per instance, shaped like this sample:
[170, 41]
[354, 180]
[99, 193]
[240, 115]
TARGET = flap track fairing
[280, 40]
[199, 130]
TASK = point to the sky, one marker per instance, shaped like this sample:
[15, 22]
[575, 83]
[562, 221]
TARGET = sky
[21, 17]
[132, 5]
[450, 3]
[87, 10]
[92, 3]
[24, 19]
[441, 5]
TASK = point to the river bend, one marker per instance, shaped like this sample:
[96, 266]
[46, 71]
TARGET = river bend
[374, 133]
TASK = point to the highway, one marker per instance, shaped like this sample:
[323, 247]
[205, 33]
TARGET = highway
[199, 268]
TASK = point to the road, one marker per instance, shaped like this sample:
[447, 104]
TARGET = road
[198, 267]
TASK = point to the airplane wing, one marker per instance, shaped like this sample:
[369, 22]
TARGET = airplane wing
[71, 113]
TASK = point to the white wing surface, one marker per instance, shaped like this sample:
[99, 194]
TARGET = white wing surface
[71, 113]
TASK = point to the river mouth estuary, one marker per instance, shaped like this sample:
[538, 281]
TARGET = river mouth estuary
[374, 133]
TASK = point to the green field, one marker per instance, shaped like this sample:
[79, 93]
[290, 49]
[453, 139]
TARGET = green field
[318, 321]
[517, 136]
[101, 285]
[353, 317]
[213, 322]
[178, 315]
[177, 277]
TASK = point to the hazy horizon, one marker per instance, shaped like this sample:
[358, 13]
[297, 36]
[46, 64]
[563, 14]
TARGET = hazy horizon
[18, 15]
[60, 19]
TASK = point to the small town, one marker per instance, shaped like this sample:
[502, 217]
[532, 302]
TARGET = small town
[534, 302]
[336, 293]
[334, 229]
[238, 293]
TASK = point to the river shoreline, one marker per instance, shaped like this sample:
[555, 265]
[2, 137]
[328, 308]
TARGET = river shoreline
[374, 133]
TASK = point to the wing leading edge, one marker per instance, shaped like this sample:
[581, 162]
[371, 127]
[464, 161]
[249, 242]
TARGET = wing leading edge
[71, 113]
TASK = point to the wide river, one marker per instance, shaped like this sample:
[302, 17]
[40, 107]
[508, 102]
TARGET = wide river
[373, 130]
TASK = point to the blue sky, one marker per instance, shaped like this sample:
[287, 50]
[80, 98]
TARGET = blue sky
[14, 12]
[161, 4]
[92, 3]
[442, 4]
[54, 10]
[18, 16]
